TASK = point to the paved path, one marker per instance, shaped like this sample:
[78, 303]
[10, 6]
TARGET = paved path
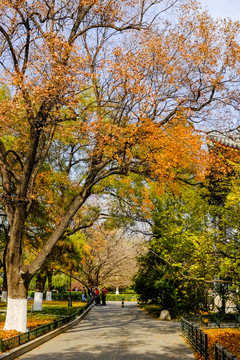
[115, 333]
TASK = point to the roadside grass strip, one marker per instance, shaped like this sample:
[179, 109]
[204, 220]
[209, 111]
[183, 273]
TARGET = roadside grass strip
[53, 312]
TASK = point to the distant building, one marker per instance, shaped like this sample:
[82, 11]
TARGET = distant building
[229, 141]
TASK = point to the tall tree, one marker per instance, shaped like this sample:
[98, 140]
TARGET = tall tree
[179, 258]
[223, 187]
[109, 257]
[111, 99]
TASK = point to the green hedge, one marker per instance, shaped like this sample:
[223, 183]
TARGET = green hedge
[77, 296]
[119, 297]
[61, 296]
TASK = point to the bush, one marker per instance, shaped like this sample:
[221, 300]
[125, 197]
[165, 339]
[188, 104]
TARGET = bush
[152, 309]
[64, 296]
[77, 296]
[119, 297]
[61, 296]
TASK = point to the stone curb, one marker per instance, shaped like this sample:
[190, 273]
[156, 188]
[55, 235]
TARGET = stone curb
[20, 350]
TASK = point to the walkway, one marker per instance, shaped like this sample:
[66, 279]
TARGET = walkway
[115, 333]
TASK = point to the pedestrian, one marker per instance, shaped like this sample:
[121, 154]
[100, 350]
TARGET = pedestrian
[103, 294]
[97, 295]
[89, 293]
[93, 296]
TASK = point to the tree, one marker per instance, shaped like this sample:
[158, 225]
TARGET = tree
[178, 264]
[223, 187]
[109, 88]
[109, 258]
[195, 240]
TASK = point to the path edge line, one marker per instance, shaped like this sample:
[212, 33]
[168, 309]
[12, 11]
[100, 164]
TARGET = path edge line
[20, 350]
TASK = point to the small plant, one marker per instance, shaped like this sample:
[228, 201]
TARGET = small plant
[152, 309]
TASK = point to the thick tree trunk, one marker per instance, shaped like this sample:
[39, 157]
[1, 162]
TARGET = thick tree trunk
[16, 318]
[17, 279]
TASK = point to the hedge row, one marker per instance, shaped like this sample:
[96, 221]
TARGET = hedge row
[77, 296]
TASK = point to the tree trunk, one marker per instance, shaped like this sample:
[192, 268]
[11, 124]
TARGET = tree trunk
[38, 300]
[4, 288]
[49, 296]
[49, 288]
[38, 295]
[4, 296]
[17, 279]
[16, 318]
[49, 277]
[4, 269]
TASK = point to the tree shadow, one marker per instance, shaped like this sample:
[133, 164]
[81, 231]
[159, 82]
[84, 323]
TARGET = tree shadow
[117, 333]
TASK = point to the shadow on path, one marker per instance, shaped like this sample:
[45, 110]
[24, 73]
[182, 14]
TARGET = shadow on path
[116, 333]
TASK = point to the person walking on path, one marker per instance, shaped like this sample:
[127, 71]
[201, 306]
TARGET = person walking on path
[103, 295]
[116, 333]
[97, 297]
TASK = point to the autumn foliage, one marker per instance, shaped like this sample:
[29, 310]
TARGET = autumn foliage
[228, 338]
[100, 89]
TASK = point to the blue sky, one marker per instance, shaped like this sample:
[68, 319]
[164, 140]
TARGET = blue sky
[222, 8]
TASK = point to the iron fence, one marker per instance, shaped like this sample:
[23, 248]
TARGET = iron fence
[197, 338]
[213, 320]
[225, 320]
[23, 338]
[222, 354]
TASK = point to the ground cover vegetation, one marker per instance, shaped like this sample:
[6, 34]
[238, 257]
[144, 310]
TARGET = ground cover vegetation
[228, 338]
[51, 312]
[152, 309]
[96, 94]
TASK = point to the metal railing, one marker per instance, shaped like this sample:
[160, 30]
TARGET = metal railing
[222, 354]
[215, 320]
[197, 338]
[23, 338]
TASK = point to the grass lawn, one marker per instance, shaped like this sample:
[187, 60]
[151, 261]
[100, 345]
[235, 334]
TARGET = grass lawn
[52, 310]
